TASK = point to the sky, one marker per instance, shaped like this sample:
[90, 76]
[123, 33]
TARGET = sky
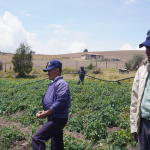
[70, 26]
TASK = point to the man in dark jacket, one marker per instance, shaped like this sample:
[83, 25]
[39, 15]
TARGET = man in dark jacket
[82, 73]
[56, 104]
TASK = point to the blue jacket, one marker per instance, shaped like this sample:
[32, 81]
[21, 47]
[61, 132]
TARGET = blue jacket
[57, 99]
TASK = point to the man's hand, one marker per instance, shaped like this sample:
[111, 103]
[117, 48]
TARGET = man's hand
[135, 137]
[41, 114]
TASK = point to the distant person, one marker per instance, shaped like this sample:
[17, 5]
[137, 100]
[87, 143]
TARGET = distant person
[140, 102]
[56, 103]
[82, 73]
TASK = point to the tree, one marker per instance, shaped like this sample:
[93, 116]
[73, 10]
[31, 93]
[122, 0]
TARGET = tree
[134, 62]
[85, 50]
[22, 60]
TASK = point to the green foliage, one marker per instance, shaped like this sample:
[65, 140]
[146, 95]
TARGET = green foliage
[75, 124]
[71, 143]
[95, 131]
[90, 66]
[95, 106]
[8, 135]
[85, 50]
[22, 60]
[134, 62]
[120, 139]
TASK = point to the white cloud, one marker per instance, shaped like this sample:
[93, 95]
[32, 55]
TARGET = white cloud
[12, 33]
[129, 47]
[130, 1]
[57, 47]
[24, 13]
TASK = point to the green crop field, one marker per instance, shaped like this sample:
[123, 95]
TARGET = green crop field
[96, 109]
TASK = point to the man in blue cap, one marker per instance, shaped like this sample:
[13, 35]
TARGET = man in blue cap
[140, 102]
[56, 104]
[81, 73]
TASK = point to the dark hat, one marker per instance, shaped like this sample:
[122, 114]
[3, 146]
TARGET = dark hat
[82, 67]
[147, 42]
[53, 64]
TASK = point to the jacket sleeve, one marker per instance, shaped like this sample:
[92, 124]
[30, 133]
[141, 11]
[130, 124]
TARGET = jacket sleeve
[134, 100]
[62, 94]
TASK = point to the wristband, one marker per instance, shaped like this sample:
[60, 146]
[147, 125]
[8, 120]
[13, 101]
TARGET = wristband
[46, 113]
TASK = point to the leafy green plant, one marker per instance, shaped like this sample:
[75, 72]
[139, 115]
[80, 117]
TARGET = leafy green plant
[8, 136]
[75, 124]
[95, 131]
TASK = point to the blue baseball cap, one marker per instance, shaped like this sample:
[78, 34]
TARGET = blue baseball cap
[147, 42]
[82, 67]
[53, 64]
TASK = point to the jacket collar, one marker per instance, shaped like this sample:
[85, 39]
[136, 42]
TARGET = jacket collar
[146, 62]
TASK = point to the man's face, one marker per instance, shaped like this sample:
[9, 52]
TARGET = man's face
[148, 53]
[53, 73]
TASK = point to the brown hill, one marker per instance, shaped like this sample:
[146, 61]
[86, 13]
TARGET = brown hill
[122, 54]
[73, 59]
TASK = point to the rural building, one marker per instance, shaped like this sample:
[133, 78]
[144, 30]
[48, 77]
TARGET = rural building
[90, 56]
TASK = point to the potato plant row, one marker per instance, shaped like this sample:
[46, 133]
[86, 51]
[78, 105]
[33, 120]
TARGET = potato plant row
[95, 107]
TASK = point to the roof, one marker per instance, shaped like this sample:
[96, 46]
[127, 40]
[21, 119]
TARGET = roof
[91, 54]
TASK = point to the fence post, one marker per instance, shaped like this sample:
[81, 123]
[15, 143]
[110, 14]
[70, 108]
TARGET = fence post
[5, 67]
[96, 63]
[76, 63]
[106, 63]
[10, 67]
[116, 65]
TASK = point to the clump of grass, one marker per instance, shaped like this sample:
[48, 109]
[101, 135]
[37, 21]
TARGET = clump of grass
[97, 71]
[9, 76]
[68, 70]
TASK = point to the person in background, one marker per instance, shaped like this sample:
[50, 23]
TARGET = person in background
[56, 104]
[82, 73]
[140, 102]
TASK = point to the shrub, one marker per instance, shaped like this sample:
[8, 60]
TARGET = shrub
[90, 66]
[22, 60]
[134, 62]
[97, 71]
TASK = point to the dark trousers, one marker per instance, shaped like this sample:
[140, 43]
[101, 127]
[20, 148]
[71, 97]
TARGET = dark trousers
[144, 135]
[80, 80]
[52, 129]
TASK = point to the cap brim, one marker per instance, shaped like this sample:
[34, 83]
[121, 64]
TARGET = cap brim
[48, 68]
[146, 43]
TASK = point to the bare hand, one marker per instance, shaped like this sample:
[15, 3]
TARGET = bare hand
[41, 114]
[135, 137]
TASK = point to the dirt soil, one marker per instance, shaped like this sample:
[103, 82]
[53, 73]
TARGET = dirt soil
[24, 145]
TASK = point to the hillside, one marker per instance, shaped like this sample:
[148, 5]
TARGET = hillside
[73, 59]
